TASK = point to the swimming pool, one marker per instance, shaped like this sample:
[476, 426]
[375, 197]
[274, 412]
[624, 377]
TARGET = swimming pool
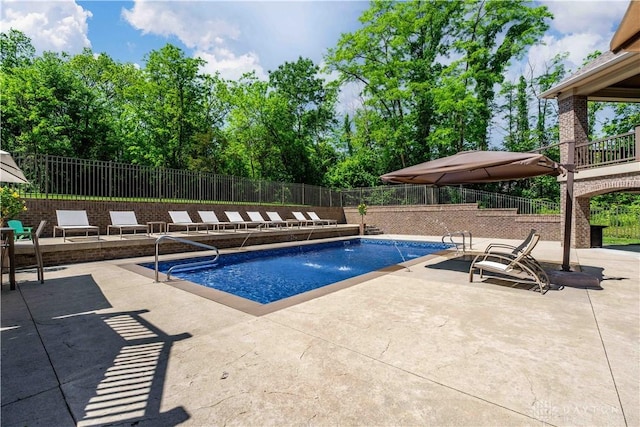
[265, 276]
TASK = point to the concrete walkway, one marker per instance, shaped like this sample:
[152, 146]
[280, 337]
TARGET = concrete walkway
[98, 344]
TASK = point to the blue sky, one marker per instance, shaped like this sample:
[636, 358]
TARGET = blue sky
[232, 36]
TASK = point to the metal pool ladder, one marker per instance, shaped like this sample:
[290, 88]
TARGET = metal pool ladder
[187, 264]
[462, 234]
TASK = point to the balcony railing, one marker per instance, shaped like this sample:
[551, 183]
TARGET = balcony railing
[608, 151]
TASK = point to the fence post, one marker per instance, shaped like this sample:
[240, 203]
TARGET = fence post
[637, 156]
[46, 176]
[110, 180]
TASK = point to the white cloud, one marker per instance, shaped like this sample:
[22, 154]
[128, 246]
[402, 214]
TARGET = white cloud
[579, 46]
[198, 26]
[229, 65]
[599, 17]
[240, 36]
[59, 25]
[350, 95]
[350, 98]
[579, 28]
[193, 23]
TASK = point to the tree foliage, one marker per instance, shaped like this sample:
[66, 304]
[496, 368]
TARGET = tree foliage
[431, 77]
[429, 70]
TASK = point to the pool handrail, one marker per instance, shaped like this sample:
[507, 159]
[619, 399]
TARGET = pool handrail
[188, 264]
[462, 234]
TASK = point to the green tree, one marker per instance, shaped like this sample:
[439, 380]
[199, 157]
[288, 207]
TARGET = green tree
[347, 134]
[39, 103]
[546, 128]
[170, 97]
[518, 137]
[304, 121]
[16, 50]
[394, 56]
[362, 168]
[210, 144]
[250, 150]
[429, 71]
[494, 33]
[626, 118]
[94, 118]
[61, 105]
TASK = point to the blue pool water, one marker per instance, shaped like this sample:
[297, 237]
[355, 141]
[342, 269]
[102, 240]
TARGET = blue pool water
[271, 275]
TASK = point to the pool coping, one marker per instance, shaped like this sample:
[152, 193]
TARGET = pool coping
[257, 309]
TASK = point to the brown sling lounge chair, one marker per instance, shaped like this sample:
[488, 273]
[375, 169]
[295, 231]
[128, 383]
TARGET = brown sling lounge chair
[513, 263]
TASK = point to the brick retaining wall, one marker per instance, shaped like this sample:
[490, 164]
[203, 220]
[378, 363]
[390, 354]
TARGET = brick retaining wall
[431, 220]
[435, 220]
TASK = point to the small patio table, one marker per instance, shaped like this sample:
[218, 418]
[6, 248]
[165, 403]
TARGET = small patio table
[162, 226]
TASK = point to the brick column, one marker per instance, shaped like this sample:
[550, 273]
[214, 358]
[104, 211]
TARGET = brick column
[573, 124]
[581, 230]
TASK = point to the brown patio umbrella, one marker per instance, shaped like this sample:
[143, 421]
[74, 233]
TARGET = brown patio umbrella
[9, 171]
[476, 167]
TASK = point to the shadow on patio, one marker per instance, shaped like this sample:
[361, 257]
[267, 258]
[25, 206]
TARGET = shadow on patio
[66, 360]
[586, 277]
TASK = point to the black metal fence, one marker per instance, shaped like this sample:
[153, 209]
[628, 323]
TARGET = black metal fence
[389, 195]
[55, 177]
[621, 222]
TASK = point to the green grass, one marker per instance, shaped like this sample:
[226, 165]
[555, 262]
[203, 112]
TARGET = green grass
[619, 241]
[145, 200]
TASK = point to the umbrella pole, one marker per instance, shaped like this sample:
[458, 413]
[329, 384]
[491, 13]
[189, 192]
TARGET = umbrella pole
[568, 209]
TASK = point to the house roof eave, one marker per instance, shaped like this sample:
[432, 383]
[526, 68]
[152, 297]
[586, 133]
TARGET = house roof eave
[591, 80]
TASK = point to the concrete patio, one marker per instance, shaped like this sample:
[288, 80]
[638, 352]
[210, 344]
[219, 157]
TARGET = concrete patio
[99, 344]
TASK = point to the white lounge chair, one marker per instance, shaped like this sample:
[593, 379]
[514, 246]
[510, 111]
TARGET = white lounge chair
[236, 218]
[516, 263]
[277, 219]
[125, 220]
[304, 220]
[315, 217]
[257, 217]
[181, 219]
[210, 218]
[73, 220]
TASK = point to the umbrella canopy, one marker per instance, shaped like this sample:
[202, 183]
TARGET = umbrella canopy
[473, 167]
[476, 167]
[9, 171]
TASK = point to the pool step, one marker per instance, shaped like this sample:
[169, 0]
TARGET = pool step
[372, 230]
